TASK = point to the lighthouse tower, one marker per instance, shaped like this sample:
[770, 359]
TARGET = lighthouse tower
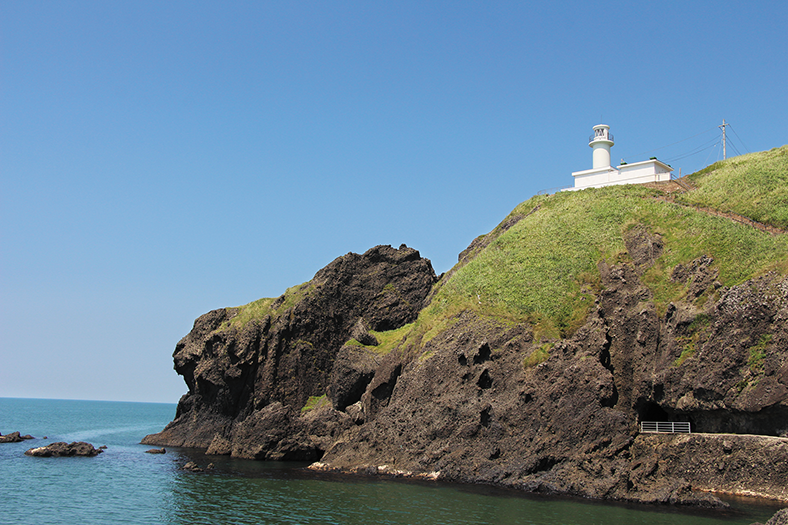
[601, 141]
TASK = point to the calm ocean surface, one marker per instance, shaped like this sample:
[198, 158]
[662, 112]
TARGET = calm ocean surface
[125, 485]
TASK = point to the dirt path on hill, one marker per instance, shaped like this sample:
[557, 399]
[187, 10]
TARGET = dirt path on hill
[677, 186]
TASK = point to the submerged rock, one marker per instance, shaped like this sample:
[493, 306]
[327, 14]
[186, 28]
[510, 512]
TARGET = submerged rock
[63, 449]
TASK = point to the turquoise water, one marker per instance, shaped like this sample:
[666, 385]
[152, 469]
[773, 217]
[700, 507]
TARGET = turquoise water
[125, 485]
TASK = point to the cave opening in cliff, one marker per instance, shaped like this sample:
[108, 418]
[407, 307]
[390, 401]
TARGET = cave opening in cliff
[771, 421]
[651, 411]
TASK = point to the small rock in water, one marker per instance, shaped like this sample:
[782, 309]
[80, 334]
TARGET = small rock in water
[156, 451]
[63, 449]
[14, 437]
[191, 466]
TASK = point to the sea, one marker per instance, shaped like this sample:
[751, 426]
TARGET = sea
[126, 485]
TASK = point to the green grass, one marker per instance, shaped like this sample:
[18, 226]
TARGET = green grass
[740, 252]
[544, 269]
[689, 351]
[540, 355]
[315, 402]
[753, 185]
[267, 306]
[758, 354]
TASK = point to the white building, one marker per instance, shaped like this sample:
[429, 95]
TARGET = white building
[603, 174]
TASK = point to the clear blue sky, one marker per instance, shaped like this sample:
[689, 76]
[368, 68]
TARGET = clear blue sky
[162, 159]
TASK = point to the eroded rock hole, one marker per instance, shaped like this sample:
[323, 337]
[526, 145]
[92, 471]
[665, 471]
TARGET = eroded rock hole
[611, 400]
[604, 359]
[485, 417]
[483, 354]
[484, 381]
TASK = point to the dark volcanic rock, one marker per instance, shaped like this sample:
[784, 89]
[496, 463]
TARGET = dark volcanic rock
[63, 449]
[13, 437]
[362, 335]
[353, 369]
[482, 400]
[468, 410]
[248, 384]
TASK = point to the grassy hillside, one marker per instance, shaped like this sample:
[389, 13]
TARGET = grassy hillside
[544, 268]
[754, 185]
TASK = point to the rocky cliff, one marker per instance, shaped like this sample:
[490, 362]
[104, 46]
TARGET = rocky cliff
[530, 364]
[250, 370]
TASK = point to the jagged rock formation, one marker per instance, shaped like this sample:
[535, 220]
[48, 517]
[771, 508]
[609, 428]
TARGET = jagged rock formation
[469, 394]
[465, 406]
[248, 383]
[569, 424]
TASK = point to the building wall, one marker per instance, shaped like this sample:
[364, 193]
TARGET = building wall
[637, 173]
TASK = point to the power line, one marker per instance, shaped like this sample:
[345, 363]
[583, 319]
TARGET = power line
[673, 144]
[732, 145]
[707, 156]
[740, 140]
[703, 147]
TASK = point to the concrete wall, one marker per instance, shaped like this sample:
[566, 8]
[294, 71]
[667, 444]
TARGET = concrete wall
[636, 173]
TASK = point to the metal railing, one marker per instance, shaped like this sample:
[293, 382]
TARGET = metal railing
[609, 137]
[665, 427]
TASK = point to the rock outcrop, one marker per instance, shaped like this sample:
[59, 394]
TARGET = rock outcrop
[248, 382]
[14, 437]
[483, 400]
[476, 407]
[63, 449]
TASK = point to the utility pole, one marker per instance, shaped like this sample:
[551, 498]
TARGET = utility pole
[724, 152]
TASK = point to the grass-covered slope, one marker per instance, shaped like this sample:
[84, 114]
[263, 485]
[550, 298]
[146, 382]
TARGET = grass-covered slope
[544, 268]
[753, 185]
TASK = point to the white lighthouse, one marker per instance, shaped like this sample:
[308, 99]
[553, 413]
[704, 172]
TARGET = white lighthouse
[601, 141]
[603, 174]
